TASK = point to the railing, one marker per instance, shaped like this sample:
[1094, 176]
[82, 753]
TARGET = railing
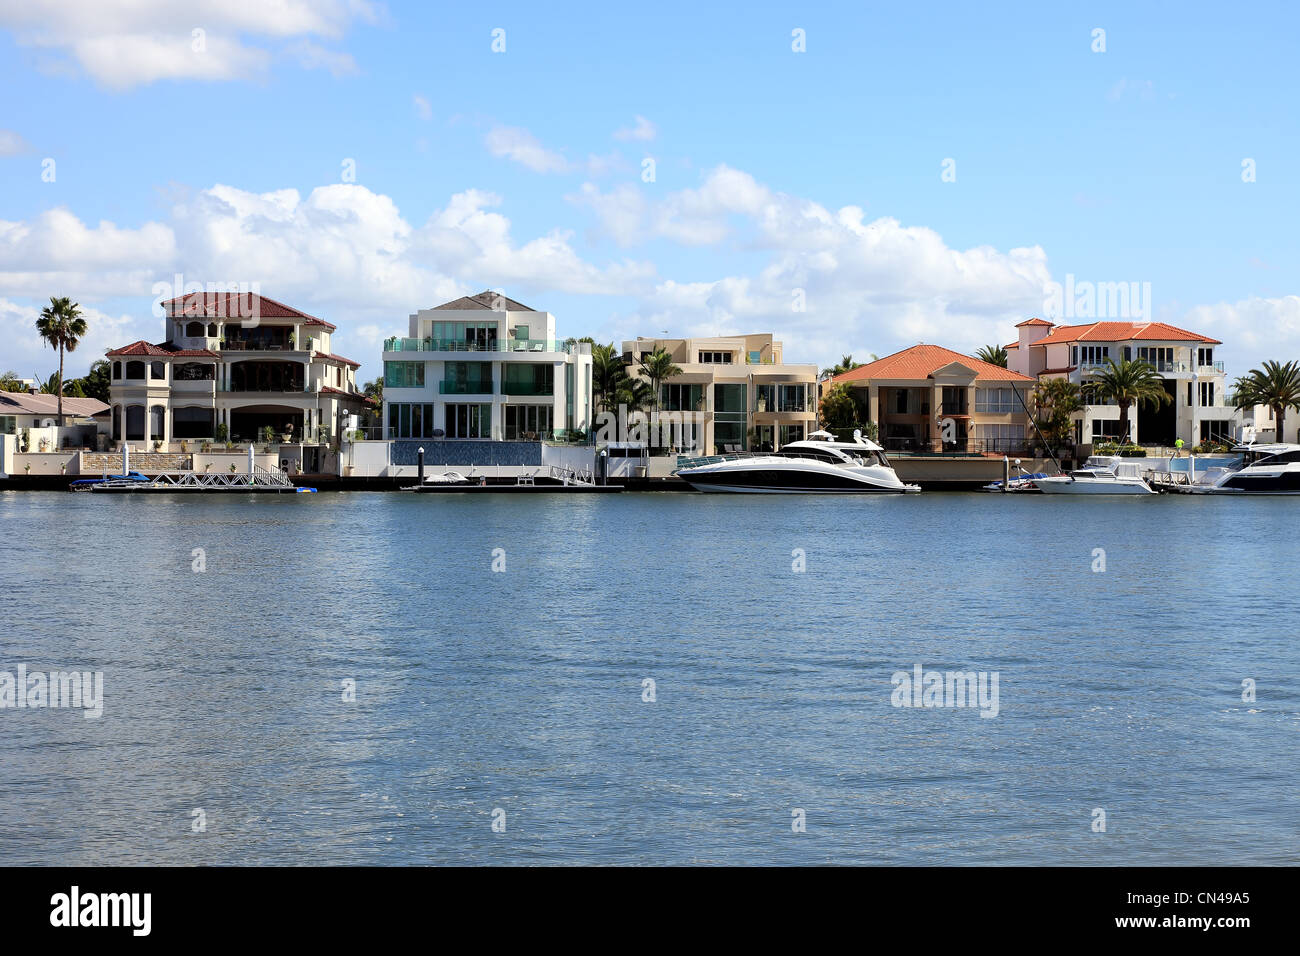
[1216, 366]
[501, 345]
[527, 388]
[481, 387]
[955, 408]
[962, 446]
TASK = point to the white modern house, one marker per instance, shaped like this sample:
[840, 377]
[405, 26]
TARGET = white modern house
[485, 367]
[1199, 406]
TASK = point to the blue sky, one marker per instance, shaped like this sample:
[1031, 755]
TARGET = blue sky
[479, 169]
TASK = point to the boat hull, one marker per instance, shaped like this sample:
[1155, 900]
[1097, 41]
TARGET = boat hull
[1093, 486]
[789, 481]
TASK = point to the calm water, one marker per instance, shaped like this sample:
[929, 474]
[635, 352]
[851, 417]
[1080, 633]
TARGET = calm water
[522, 690]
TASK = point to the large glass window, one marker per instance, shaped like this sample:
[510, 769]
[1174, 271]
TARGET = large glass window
[404, 375]
[681, 398]
[464, 336]
[996, 400]
[790, 433]
[8, 424]
[467, 378]
[520, 378]
[715, 358]
[410, 420]
[192, 422]
[135, 369]
[135, 423]
[469, 421]
[528, 422]
[791, 398]
[193, 372]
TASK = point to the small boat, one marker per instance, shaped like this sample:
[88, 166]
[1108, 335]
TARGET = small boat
[818, 465]
[446, 478]
[86, 484]
[1099, 475]
[1272, 469]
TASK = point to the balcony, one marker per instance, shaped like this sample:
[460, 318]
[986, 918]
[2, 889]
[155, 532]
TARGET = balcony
[471, 387]
[955, 408]
[449, 345]
[527, 388]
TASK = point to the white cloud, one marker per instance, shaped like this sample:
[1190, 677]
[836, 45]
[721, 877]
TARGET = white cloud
[642, 130]
[520, 146]
[423, 108]
[126, 43]
[26, 354]
[11, 144]
[1251, 329]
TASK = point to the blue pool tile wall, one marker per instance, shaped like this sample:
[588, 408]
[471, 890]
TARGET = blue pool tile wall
[463, 452]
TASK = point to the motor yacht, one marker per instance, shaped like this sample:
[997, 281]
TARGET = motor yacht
[1099, 475]
[1272, 469]
[817, 465]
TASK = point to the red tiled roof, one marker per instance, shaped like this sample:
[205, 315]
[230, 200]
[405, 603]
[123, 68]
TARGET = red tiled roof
[922, 361]
[25, 403]
[339, 358]
[216, 305]
[164, 350]
[1011, 345]
[1122, 332]
[1032, 322]
[342, 391]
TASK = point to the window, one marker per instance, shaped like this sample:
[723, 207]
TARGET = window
[790, 433]
[1000, 437]
[1092, 354]
[117, 370]
[400, 375]
[791, 398]
[407, 420]
[135, 423]
[954, 400]
[1207, 394]
[996, 401]
[192, 422]
[194, 330]
[157, 371]
[756, 357]
[8, 424]
[900, 402]
[519, 378]
[1161, 358]
[193, 372]
[135, 369]
[527, 422]
[715, 358]
[467, 378]
[1205, 356]
[465, 336]
[469, 421]
[1105, 428]
[681, 398]
[212, 330]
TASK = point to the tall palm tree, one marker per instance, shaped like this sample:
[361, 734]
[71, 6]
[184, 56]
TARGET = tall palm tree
[1128, 382]
[61, 325]
[1275, 385]
[993, 354]
[657, 367]
[607, 375]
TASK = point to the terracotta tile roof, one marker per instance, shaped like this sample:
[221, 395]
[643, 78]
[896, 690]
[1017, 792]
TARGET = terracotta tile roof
[1011, 345]
[342, 391]
[339, 358]
[25, 403]
[217, 305]
[1122, 332]
[484, 300]
[1032, 322]
[922, 361]
[164, 350]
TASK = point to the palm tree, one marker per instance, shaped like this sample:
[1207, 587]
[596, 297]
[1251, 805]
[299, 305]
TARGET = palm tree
[61, 325]
[607, 375]
[1275, 385]
[10, 382]
[656, 367]
[993, 354]
[1128, 382]
[846, 364]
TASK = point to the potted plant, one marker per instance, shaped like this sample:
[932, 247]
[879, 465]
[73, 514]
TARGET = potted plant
[292, 340]
[157, 445]
[222, 432]
[28, 468]
[233, 469]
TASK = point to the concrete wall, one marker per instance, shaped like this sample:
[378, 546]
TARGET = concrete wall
[47, 463]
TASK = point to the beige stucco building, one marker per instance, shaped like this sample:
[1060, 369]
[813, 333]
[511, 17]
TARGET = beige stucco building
[735, 392]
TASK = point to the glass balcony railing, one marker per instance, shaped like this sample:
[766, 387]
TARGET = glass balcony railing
[471, 387]
[527, 388]
[450, 345]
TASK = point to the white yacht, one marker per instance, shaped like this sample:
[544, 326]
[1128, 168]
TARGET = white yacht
[1272, 469]
[1099, 475]
[817, 465]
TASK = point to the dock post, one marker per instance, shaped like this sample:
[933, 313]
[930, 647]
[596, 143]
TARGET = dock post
[1006, 474]
[420, 467]
[126, 459]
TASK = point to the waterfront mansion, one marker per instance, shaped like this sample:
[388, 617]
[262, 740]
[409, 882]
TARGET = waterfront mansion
[242, 361]
[734, 392]
[486, 367]
[1199, 406]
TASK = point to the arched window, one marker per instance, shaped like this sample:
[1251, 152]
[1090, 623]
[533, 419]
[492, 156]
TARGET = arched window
[212, 330]
[135, 423]
[193, 372]
[135, 369]
[117, 370]
[117, 423]
[156, 421]
[194, 330]
[157, 370]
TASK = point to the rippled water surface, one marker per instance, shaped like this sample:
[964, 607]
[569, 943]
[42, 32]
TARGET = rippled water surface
[522, 690]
